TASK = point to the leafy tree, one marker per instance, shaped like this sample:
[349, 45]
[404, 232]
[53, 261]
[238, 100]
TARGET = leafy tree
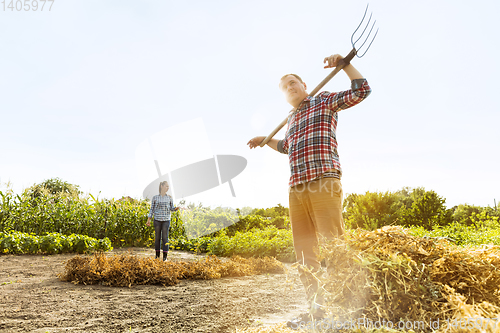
[276, 211]
[485, 219]
[372, 210]
[427, 210]
[54, 186]
[278, 216]
[407, 195]
[492, 211]
[463, 213]
[407, 206]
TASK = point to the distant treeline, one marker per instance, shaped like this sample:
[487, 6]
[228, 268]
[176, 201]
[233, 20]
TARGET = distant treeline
[411, 207]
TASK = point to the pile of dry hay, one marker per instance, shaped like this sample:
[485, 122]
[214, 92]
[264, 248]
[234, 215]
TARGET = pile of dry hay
[390, 275]
[128, 270]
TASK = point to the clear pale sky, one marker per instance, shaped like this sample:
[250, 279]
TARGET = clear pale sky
[84, 84]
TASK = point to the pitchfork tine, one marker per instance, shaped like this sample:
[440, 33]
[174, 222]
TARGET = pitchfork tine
[352, 37]
[368, 23]
[376, 32]
[364, 30]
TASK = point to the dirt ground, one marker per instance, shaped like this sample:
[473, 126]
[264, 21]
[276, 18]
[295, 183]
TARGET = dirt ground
[33, 299]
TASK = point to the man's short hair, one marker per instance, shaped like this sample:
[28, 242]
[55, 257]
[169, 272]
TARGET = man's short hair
[298, 77]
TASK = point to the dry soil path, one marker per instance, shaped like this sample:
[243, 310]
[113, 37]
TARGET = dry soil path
[33, 299]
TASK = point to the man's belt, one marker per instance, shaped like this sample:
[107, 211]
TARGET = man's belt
[330, 174]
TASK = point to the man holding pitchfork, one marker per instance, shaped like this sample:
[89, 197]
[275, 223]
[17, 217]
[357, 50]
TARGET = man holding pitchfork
[315, 190]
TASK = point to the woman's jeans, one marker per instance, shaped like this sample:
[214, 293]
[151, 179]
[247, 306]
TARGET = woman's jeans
[161, 232]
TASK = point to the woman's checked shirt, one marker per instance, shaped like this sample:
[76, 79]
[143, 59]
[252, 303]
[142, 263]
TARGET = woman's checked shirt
[310, 140]
[161, 207]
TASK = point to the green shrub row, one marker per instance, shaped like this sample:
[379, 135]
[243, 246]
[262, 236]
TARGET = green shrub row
[16, 242]
[254, 221]
[410, 207]
[270, 241]
[462, 234]
[196, 245]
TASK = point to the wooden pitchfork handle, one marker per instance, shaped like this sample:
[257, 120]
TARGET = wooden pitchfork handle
[344, 62]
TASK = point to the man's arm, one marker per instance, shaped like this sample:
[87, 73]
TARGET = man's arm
[346, 99]
[255, 142]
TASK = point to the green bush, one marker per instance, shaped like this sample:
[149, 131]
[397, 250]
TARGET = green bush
[201, 221]
[51, 244]
[427, 210]
[19, 242]
[487, 232]
[53, 186]
[270, 241]
[277, 216]
[247, 223]
[408, 207]
[372, 210]
[276, 211]
[197, 245]
[462, 213]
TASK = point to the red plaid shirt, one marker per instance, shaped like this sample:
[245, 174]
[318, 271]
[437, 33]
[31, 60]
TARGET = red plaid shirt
[310, 139]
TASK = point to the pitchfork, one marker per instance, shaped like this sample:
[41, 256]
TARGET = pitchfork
[342, 63]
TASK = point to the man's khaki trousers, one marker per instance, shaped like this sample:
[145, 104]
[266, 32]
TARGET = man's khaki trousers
[315, 214]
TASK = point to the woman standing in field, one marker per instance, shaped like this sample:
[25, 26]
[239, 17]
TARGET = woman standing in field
[161, 206]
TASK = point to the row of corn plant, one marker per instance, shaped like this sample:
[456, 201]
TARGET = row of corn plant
[123, 222]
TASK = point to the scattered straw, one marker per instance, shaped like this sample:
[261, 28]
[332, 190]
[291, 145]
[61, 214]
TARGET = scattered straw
[128, 270]
[390, 275]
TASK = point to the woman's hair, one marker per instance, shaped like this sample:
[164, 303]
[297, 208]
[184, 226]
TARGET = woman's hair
[161, 183]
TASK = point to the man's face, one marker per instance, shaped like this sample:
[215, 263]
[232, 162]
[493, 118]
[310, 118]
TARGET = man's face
[294, 90]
